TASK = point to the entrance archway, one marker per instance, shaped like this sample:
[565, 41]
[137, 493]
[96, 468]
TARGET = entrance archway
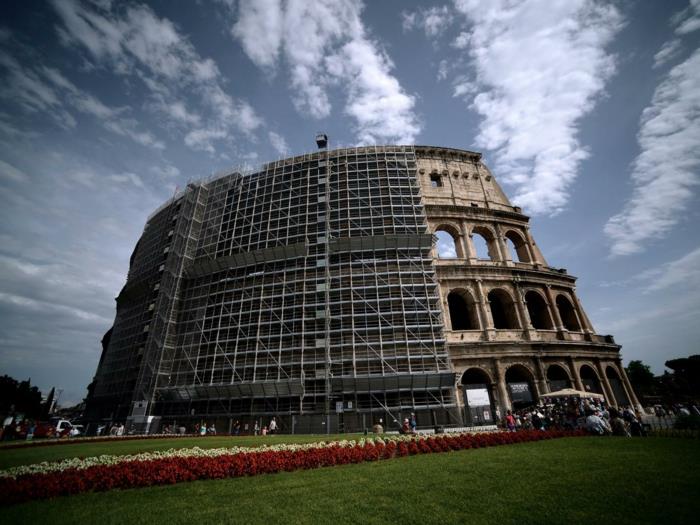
[521, 387]
[478, 397]
[590, 380]
[557, 378]
[618, 389]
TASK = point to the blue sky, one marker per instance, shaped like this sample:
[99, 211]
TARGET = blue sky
[588, 112]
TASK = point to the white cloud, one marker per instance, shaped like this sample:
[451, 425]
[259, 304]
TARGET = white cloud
[278, 143]
[26, 88]
[667, 52]
[259, 29]
[461, 41]
[203, 139]
[326, 44]
[127, 178]
[539, 67]
[8, 171]
[666, 170]
[167, 171]
[45, 90]
[133, 40]
[433, 21]
[687, 20]
[683, 272]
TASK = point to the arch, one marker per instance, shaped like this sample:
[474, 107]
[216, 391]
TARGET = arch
[477, 390]
[520, 384]
[538, 310]
[447, 245]
[618, 389]
[567, 314]
[590, 380]
[517, 247]
[557, 378]
[463, 314]
[475, 376]
[484, 243]
[503, 310]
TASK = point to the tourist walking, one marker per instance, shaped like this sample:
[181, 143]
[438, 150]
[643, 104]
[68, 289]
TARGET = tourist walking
[272, 427]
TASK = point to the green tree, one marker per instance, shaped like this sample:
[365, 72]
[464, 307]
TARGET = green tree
[641, 377]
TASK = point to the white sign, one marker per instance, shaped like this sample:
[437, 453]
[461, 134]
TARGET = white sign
[338, 407]
[478, 397]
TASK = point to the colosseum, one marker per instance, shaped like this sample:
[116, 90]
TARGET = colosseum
[334, 289]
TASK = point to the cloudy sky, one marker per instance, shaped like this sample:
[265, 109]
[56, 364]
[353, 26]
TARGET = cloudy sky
[588, 112]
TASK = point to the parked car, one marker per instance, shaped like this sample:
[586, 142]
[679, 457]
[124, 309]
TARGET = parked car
[63, 427]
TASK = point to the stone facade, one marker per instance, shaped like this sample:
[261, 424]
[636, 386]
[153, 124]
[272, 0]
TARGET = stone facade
[513, 324]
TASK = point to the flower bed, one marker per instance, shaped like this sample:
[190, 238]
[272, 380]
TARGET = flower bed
[48, 480]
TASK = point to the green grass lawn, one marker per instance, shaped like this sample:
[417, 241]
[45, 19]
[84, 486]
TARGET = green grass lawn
[574, 480]
[38, 453]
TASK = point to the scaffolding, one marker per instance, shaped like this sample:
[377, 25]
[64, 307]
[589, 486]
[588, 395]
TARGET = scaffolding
[304, 290]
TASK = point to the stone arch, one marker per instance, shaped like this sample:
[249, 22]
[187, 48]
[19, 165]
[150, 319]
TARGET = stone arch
[503, 310]
[477, 391]
[447, 244]
[568, 313]
[590, 379]
[517, 246]
[618, 389]
[483, 241]
[558, 378]
[538, 310]
[463, 310]
[520, 383]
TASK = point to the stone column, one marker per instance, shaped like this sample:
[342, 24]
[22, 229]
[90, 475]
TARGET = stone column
[504, 399]
[607, 387]
[485, 310]
[631, 395]
[586, 324]
[467, 243]
[577, 377]
[500, 248]
[542, 376]
[525, 321]
[558, 324]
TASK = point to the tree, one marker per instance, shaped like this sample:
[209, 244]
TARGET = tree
[686, 375]
[19, 397]
[641, 377]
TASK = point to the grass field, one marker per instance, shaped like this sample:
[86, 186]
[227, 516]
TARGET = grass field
[574, 480]
[38, 453]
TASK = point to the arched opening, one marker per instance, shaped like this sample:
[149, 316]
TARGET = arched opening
[517, 247]
[503, 310]
[478, 397]
[590, 380]
[446, 246]
[538, 311]
[557, 378]
[618, 388]
[483, 242]
[567, 314]
[520, 383]
[463, 315]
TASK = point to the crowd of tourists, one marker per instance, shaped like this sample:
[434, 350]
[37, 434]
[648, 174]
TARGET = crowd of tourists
[577, 413]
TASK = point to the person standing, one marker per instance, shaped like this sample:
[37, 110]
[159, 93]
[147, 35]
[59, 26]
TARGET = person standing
[413, 423]
[272, 427]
